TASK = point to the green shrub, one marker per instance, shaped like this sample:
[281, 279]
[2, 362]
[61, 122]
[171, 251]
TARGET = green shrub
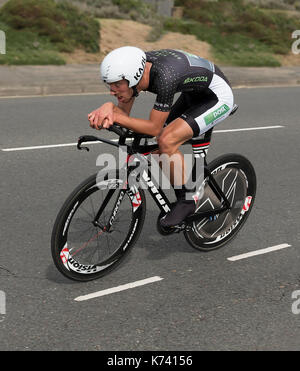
[230, 17]
[81, 29]
[228, 49]
[33, 58]
[231, 26]
[61, 22]
[27, 47]
[128, 5]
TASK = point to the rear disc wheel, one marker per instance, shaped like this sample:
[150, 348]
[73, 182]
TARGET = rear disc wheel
[236, 177]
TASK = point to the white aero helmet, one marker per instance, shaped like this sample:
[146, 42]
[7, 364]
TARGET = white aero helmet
[127, 62]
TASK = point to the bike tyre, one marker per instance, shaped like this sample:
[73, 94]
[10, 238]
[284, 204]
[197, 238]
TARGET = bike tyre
[65, 216]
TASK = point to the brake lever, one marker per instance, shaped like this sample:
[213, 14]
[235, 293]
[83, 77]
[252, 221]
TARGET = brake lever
[85, 138]
[117, 129]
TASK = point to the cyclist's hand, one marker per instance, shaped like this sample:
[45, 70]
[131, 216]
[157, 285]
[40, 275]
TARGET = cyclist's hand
[106, 123]
[102, 117]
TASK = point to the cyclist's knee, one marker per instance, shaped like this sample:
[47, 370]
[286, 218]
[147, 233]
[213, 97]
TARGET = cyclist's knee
[166, 143]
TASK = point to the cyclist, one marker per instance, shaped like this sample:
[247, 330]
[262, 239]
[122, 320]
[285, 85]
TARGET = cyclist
[206, 99]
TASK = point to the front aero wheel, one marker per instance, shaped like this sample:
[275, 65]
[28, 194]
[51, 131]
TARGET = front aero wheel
[96, 227]
[236, 177]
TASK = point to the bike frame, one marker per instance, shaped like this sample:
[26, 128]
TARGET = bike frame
[200, 147]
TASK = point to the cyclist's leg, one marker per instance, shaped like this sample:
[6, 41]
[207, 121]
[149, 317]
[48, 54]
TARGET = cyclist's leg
[175, 134]
[181, 129]
[222, 108]
[202, 118]
[204, 121]
[179, 107]
[169, 143]
[199, 118]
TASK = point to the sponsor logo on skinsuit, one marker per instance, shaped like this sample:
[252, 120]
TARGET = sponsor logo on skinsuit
[211, 117]
[195, 79]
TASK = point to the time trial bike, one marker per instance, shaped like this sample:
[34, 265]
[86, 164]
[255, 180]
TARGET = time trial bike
[101, 220]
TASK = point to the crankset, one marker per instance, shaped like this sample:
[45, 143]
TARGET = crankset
[173, 229]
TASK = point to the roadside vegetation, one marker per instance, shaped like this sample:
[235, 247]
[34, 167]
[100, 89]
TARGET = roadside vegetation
[240, 33]
[37, 31]
[135, 10]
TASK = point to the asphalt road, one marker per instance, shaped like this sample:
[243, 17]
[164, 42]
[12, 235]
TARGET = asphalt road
[204, 301]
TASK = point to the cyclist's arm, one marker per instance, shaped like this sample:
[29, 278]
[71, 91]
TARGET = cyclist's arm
[152, 126]
[106, 112]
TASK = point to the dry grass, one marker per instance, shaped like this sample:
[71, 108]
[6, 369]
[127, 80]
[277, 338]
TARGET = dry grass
[116, 33]
[289, 59]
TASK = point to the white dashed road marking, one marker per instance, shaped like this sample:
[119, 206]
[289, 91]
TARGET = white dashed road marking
[119, 288]
[50, 146]
[259, 252]
[249, 129]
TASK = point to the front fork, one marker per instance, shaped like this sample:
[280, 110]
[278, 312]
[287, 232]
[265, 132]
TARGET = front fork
[123, 187]
[114, 212]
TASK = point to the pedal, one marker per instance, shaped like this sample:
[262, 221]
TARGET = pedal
[179, 227]
[172, 229]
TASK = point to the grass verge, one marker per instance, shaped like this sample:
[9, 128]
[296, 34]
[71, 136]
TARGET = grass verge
[36, 31]
[240, 33]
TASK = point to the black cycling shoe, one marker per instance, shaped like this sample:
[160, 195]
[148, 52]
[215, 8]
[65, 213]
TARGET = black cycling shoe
[178, 213]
